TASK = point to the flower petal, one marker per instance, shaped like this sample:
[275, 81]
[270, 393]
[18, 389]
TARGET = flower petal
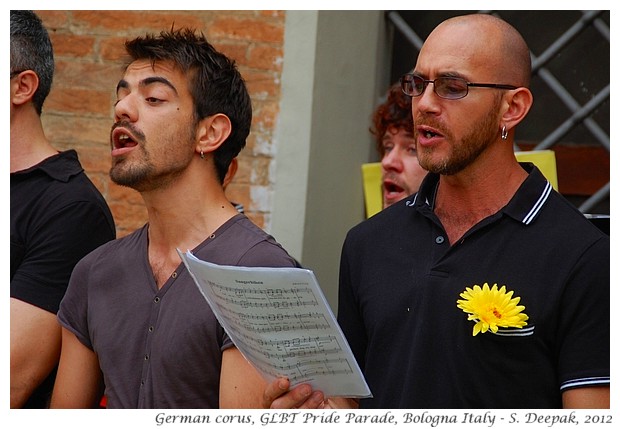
[491, 308]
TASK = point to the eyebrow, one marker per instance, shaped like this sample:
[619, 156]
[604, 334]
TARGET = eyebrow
[148, 81]
[442, 74]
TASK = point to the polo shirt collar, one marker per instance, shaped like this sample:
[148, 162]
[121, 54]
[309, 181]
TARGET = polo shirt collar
[61, 166]
[524, 206]
[531, 196]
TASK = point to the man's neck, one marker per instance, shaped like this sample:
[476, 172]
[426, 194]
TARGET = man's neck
[182, 219]
[188, 214]
[29, 146]
[466, 198]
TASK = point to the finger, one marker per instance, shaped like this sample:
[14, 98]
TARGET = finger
[314, 401]
[274, 390]
[294, 398]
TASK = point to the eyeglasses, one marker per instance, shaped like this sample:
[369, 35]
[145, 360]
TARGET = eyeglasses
[451, 88]
[15, 73]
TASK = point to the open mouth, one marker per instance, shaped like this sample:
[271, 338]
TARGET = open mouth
[428, 131]
[392, 192]
[122, 142]
[429, 134]
[392, 188]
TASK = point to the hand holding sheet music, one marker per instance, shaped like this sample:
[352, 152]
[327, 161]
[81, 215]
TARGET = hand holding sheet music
[280, 321]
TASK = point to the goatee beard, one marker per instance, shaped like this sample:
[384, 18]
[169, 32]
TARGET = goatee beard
[464, 152]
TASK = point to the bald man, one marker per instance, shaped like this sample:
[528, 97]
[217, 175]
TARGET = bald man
[487, 289]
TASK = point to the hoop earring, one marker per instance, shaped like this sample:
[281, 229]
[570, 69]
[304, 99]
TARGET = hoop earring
[202, 155]
[504, 132]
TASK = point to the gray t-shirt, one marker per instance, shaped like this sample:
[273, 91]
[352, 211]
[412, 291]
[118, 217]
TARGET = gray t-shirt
[158, 348]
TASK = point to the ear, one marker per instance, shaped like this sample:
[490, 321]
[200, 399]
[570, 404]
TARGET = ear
[23, 87]
[519, 101]
[212, 132]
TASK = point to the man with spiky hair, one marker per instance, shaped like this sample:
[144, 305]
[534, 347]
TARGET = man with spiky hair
[135, 326]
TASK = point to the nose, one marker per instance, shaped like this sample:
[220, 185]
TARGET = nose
[391, 160]
[427, 102]
[125, 109]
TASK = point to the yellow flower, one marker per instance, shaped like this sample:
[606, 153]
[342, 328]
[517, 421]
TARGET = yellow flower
[492, 308]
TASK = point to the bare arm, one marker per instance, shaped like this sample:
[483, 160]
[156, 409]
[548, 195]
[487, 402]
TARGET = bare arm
[586, 397]
[241, 386]
[35, 349]
[79, 382]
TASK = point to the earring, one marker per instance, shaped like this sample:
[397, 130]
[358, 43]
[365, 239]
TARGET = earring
[504, 133]
[202, 155]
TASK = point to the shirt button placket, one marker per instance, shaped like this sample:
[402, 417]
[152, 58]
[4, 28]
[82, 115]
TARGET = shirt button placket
[146, 356]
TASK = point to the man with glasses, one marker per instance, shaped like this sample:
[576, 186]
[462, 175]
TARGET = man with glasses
[487, 289]
[57, 217]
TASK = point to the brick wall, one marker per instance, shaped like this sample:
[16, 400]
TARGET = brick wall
[78, 113]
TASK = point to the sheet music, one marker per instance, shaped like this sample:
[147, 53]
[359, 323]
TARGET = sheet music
[280, 321]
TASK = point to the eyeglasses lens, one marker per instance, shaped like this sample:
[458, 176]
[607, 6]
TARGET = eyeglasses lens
[450, 88]
[406, 84]
[445, 87]
[418, 85]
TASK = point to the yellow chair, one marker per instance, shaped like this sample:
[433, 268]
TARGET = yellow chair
[371, 176]
[544, 160]
[373, 195]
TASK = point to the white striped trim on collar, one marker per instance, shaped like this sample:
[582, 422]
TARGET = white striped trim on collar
[412, 203]
[536, 208]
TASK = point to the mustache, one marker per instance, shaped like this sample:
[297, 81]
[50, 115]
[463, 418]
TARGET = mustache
[429, 122]
[136, 133]
[391, 176]
[433, 123]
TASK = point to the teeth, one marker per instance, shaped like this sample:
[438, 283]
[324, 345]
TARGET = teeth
[123, 137]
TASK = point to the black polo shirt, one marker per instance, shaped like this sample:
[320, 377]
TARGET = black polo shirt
[57, 217]
[400, 281]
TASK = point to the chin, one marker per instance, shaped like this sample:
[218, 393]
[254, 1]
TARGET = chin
[391, 201]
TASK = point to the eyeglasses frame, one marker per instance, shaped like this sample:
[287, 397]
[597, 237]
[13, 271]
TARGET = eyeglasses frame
[468, 84]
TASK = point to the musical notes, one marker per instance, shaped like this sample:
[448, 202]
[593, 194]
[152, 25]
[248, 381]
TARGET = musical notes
[280, 321]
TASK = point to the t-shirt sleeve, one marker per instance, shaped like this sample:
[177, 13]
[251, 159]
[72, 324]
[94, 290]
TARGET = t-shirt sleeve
[73, 312]
[59, 243]
[267, 254]
[226, 342]
[585, 322]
